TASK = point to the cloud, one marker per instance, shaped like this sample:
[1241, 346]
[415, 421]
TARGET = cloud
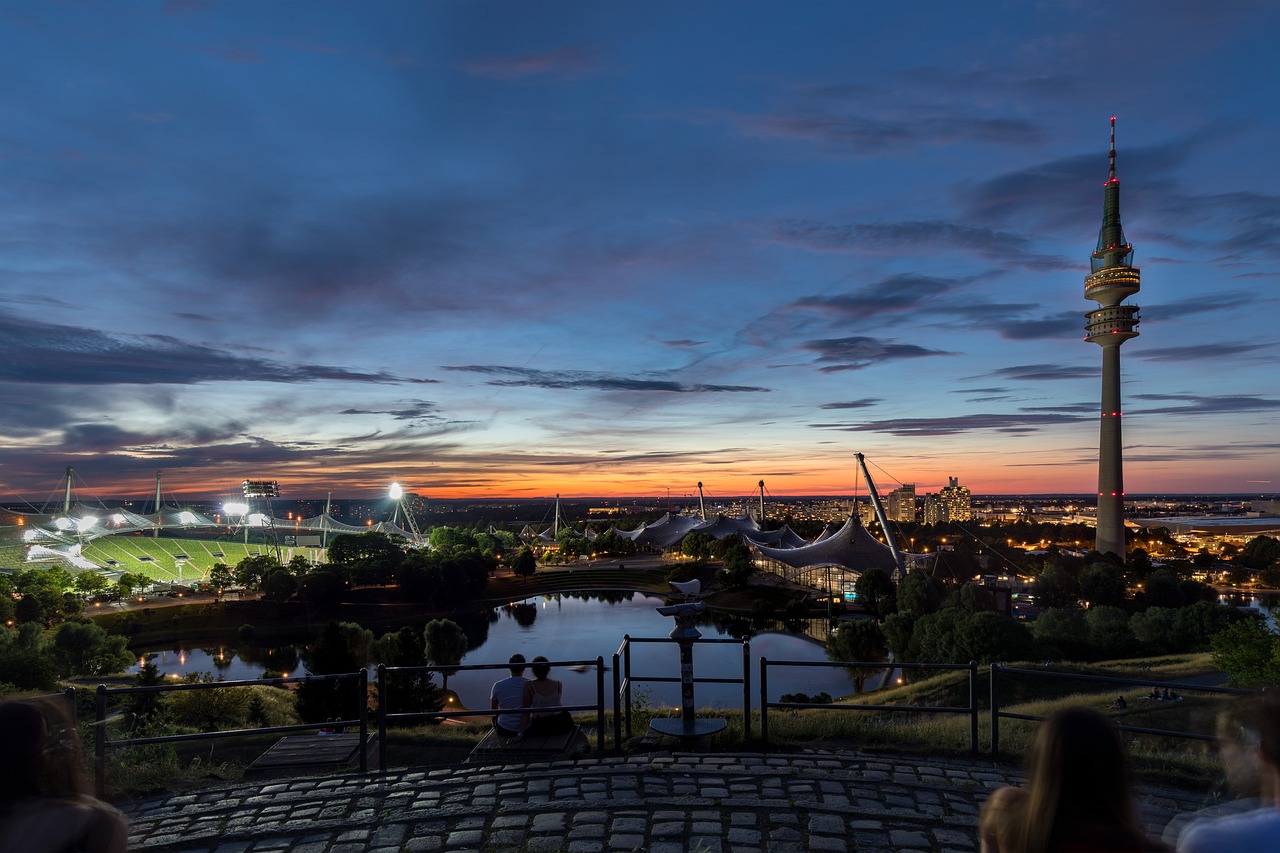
[1045, 372]
[864, 403]
[846, 133]
[1200, 352]
[582, 380]
[1005, 423]
[569, 62]
[413, 410]
[895, 294]
[1194, 404]
[858, 352]
[32, 352]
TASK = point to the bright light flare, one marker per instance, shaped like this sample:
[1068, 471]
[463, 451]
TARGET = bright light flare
[396, 492]
[236, 509]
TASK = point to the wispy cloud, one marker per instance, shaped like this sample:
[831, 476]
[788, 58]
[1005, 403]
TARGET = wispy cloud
[1045, 372]
[1201, 352]
[864, 403]
[583, 380]
[32, 352]
[890, 238]
[567, 62]
[1006, 423]
[857, 352]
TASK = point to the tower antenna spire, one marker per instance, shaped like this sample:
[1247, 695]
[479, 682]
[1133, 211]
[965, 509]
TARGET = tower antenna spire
[1112, 174]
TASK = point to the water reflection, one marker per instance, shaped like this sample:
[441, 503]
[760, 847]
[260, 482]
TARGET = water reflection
[580, 627]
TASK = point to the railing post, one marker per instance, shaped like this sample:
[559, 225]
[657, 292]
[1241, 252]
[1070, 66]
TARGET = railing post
[617, 712]
[600, 704]
[100, 742]
[626, 664]
[973, 707]
[70, 695]
[746, 691]
[995, 712]
[364, 720]
[764, 704]
[382, 719]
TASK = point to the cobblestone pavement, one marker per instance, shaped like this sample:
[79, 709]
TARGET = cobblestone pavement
[657, 802]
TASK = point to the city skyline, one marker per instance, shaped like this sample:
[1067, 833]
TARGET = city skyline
[492, 249]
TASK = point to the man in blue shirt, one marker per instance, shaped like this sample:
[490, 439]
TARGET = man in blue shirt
[507, 697]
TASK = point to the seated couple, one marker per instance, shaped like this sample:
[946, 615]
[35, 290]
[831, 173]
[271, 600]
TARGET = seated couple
[529, 707]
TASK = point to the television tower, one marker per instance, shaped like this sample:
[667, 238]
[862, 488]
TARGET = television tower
[1112, 279]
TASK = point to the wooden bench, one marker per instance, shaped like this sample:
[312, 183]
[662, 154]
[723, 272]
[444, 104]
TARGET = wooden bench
[493, 747]
[313, 753]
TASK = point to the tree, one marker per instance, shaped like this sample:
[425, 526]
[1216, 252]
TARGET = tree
[253, 570]
[697, 545]
[371, 558]
[919, 593]
[221, 576]
[1057, 587]
[1161, 589]
[858, 640]
[1248, 653]
[279, 586]
[525, 564]
[1109, 631]
[974, 598]
[128, 582]
[341, 647]
[1103, 583]
[1260, 552]
[1062, 633]
[873, 587]
[1153, 628]
[737, 566]
[445, 643]
[82, 647]
[91, 583]
[407, 692]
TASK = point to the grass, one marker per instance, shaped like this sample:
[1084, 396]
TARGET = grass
[1163, 759]
[157, 558]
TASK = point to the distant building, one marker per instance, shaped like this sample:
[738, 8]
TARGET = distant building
[931, 510]
[955, 500]
[902, 503]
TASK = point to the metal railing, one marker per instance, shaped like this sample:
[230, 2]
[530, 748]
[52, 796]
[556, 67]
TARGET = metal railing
[623, 680]
[101, 742]
[971, 709]
[997, 714]
[384, 688]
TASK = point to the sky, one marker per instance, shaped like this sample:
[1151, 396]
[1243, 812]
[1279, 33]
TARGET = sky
[605, 249]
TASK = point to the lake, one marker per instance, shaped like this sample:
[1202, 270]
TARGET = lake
[567, 627]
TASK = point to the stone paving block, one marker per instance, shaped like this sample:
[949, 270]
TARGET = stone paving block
[706, 844]
[548, 822]
[629, 825]
[545, 844]
[954, 838]
[668, 829]
[828, 844]
[909, 839]
[626, 841]
[505, 839]
[741, 836]
[468, 839]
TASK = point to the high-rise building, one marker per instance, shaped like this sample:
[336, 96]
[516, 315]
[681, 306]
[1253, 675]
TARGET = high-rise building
[955, 500]
[902, 503]
[1112, 279]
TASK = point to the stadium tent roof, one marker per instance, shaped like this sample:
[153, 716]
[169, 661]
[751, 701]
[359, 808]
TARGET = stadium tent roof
[783, 537]
[720, 527]
[851, 547]
[666, 531]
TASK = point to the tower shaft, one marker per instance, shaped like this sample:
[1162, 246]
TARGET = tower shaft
[1111, 280]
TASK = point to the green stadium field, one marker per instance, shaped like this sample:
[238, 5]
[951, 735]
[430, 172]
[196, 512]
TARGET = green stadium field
[159, 558]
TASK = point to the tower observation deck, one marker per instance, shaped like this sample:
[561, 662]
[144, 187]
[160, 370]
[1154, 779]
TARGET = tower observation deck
[1112, 279]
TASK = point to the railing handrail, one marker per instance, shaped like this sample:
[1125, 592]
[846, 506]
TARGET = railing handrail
[997, 714]
[971, 709]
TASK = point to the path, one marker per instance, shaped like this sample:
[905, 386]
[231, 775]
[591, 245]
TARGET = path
[656, 802]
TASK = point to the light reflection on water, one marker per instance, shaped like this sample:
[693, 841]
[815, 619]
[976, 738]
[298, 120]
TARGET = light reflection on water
[564, 628]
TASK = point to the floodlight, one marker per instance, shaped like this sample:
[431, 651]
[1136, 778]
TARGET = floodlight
[118, 518]
[63, 523]
[187, 517]
[236, 509]
[396, 492]
[261, 489]
[86, 523]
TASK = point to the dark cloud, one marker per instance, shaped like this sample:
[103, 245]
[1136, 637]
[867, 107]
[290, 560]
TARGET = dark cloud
[1200, 352]
[856, 353]
[568, 62]
[581, 380]
[1193, 404]
[413, 410]
[1197, 306]
[45, 353]
[895, 294]
[684, 343]
[1008, 423]
[849, 134]
[1043, 372]
[864, 403]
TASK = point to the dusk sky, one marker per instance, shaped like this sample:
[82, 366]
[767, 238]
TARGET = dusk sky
[519, 249]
